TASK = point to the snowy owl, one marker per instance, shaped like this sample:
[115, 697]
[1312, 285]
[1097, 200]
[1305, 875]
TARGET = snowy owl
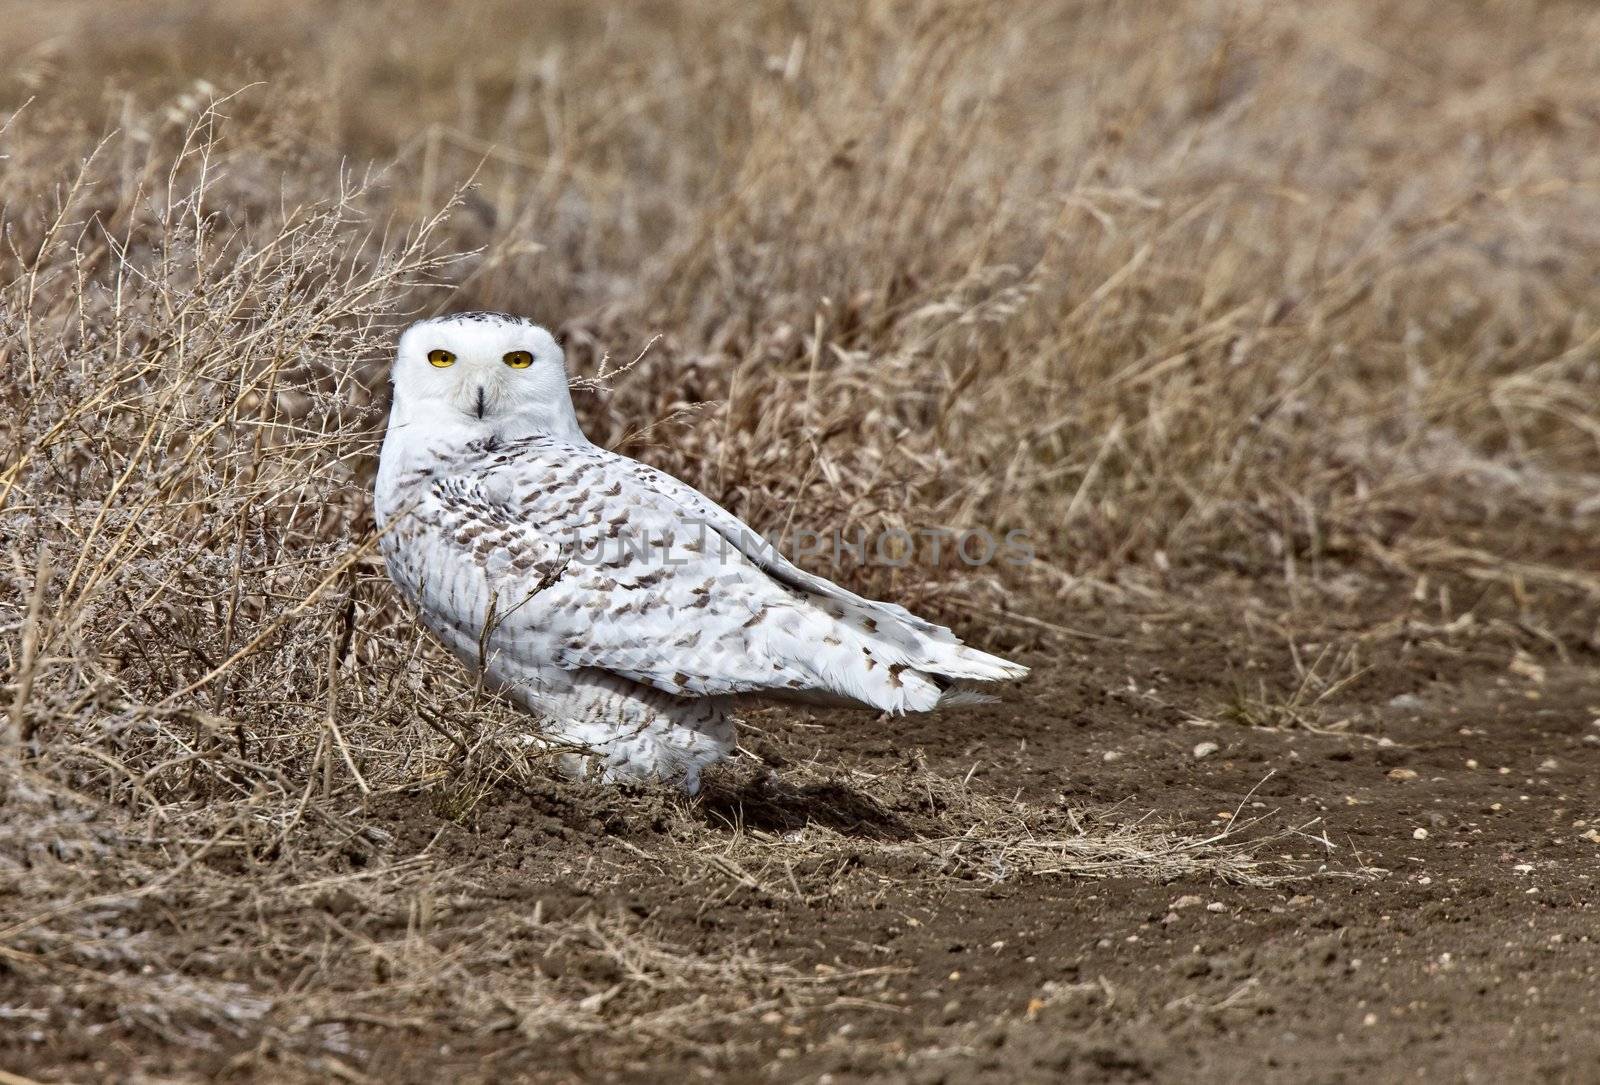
[626, 610]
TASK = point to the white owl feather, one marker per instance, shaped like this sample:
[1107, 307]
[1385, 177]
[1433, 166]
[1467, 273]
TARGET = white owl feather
[626, 609]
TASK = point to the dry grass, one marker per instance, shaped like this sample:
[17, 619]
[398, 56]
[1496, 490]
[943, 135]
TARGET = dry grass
[145, 924]
[1268, 287]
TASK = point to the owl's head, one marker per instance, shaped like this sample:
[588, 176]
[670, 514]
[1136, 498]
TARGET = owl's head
[472, 375]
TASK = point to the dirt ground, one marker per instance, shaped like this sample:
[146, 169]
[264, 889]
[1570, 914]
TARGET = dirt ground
[1423, 908]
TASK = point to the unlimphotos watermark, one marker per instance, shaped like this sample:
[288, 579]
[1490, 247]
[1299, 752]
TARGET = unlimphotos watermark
[694, 540]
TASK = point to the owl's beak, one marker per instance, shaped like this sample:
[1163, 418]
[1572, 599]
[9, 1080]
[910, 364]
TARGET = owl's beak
[480, 401]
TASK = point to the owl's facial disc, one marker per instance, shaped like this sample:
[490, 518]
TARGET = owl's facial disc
[478, 374]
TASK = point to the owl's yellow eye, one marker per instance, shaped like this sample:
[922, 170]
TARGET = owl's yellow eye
[519, 359]
[441, 359]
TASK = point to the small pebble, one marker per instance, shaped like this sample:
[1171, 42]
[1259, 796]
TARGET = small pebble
[1419, 834]
[1205, 749]
[1216, 906]
[1401, 774]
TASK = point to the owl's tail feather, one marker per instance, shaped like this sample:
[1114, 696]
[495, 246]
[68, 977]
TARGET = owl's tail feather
[883, 656]
[951, 659]
[924, 668]
[965, 698]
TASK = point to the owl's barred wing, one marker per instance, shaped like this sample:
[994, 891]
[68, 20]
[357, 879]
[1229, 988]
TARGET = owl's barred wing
[769, 559]
[602, 571]
[616, 566]
[930, 646]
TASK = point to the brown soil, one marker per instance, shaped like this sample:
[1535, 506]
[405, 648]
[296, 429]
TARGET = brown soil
[1430, 916]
